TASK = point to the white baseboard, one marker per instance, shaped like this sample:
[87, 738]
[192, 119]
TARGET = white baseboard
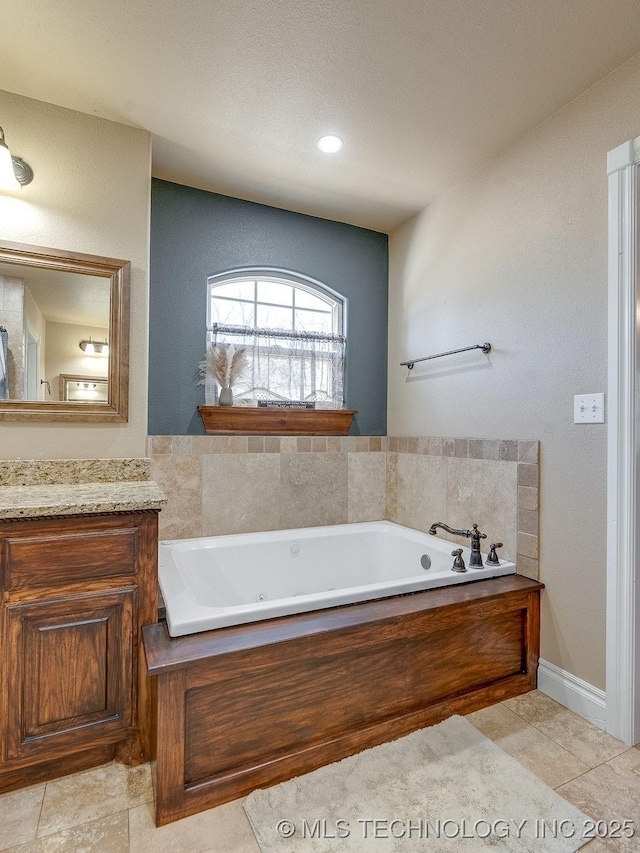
[573, 693]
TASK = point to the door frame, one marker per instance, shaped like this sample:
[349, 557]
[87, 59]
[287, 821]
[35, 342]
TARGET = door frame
[623, 480]
[32, 358]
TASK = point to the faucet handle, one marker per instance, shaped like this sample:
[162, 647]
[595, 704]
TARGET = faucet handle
[492, 558]
[476, 533]
[458, 563]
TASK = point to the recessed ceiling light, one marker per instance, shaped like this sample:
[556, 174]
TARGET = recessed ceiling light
[330, 144]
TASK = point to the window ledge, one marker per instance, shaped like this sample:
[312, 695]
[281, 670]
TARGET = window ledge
[250, 420]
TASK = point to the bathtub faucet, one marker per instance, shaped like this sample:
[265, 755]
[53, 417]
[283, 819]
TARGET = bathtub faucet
[474, 535]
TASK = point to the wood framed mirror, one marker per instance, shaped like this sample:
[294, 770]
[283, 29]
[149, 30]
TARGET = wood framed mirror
[62, 314]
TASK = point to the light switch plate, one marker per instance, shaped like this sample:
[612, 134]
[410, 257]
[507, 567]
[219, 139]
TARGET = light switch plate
[588, 409]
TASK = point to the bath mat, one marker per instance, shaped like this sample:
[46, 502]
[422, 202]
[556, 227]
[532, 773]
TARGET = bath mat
[439, 789]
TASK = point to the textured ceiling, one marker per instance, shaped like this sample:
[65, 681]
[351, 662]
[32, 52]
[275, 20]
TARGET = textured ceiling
[236, 92]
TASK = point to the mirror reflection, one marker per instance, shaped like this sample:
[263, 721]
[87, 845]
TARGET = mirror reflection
[54, 335]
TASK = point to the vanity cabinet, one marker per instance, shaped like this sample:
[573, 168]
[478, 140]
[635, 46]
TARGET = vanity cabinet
[74, 595]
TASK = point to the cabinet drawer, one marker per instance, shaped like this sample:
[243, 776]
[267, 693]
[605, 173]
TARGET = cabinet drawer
[49, 560]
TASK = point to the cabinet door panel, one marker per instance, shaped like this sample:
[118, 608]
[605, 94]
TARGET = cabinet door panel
[72, 682]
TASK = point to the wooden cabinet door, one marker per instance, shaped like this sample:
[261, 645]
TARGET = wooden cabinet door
[69, 684]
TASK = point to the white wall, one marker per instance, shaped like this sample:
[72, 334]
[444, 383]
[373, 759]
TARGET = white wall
[90, 193]
[517, 255]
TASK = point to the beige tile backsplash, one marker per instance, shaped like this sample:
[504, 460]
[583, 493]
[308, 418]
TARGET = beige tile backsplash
[313, 489]
[180, 478]
[235, 484]
[366, 486]
[240, 493]
[416, 489]
[484, 492]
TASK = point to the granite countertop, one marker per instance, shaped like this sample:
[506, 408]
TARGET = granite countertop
[79, 499]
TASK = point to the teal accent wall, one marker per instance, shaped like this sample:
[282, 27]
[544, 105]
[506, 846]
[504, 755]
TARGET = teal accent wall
[195, 234]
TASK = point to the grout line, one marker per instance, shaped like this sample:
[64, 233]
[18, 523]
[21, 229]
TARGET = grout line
[44, 794]
[348, 489]
[105, 816]
[446, 490]
[586, 772]
[547, 738]
[562, 745]
[545, 735]
[570, 751]
[609, 760]
[280, 492]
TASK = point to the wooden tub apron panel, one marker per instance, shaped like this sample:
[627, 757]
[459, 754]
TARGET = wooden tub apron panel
[247, 707]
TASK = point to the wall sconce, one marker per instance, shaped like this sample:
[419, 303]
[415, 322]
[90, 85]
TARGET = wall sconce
[94, 347]
[14, 172]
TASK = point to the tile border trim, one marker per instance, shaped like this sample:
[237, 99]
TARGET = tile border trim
[496, 450]
[203, 445]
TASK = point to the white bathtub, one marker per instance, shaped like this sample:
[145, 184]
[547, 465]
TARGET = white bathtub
[220, 581]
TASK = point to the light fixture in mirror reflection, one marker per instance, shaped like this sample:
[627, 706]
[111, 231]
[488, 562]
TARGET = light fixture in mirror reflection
[95, 347]
[64, 335]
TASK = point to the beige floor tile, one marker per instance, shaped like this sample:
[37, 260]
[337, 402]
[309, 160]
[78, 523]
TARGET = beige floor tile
[19, 814]
[108, 835]
[534, 750]
[586, 741]
[610, 792]
[221, 830]
[93, 794]
[595, 846]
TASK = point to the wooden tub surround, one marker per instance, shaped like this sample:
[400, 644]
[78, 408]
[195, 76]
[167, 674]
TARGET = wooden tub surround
[246, 707]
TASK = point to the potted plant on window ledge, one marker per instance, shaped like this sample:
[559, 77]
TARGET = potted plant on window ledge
[226, 365]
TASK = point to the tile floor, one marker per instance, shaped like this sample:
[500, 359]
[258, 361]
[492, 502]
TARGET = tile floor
[110, 809]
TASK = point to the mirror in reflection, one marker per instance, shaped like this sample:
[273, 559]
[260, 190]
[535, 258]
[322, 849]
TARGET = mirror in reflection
[87, 389]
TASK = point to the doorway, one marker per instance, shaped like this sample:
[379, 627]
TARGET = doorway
[32, 366]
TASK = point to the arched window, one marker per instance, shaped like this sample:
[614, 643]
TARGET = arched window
[274, 300]
[292, 329]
